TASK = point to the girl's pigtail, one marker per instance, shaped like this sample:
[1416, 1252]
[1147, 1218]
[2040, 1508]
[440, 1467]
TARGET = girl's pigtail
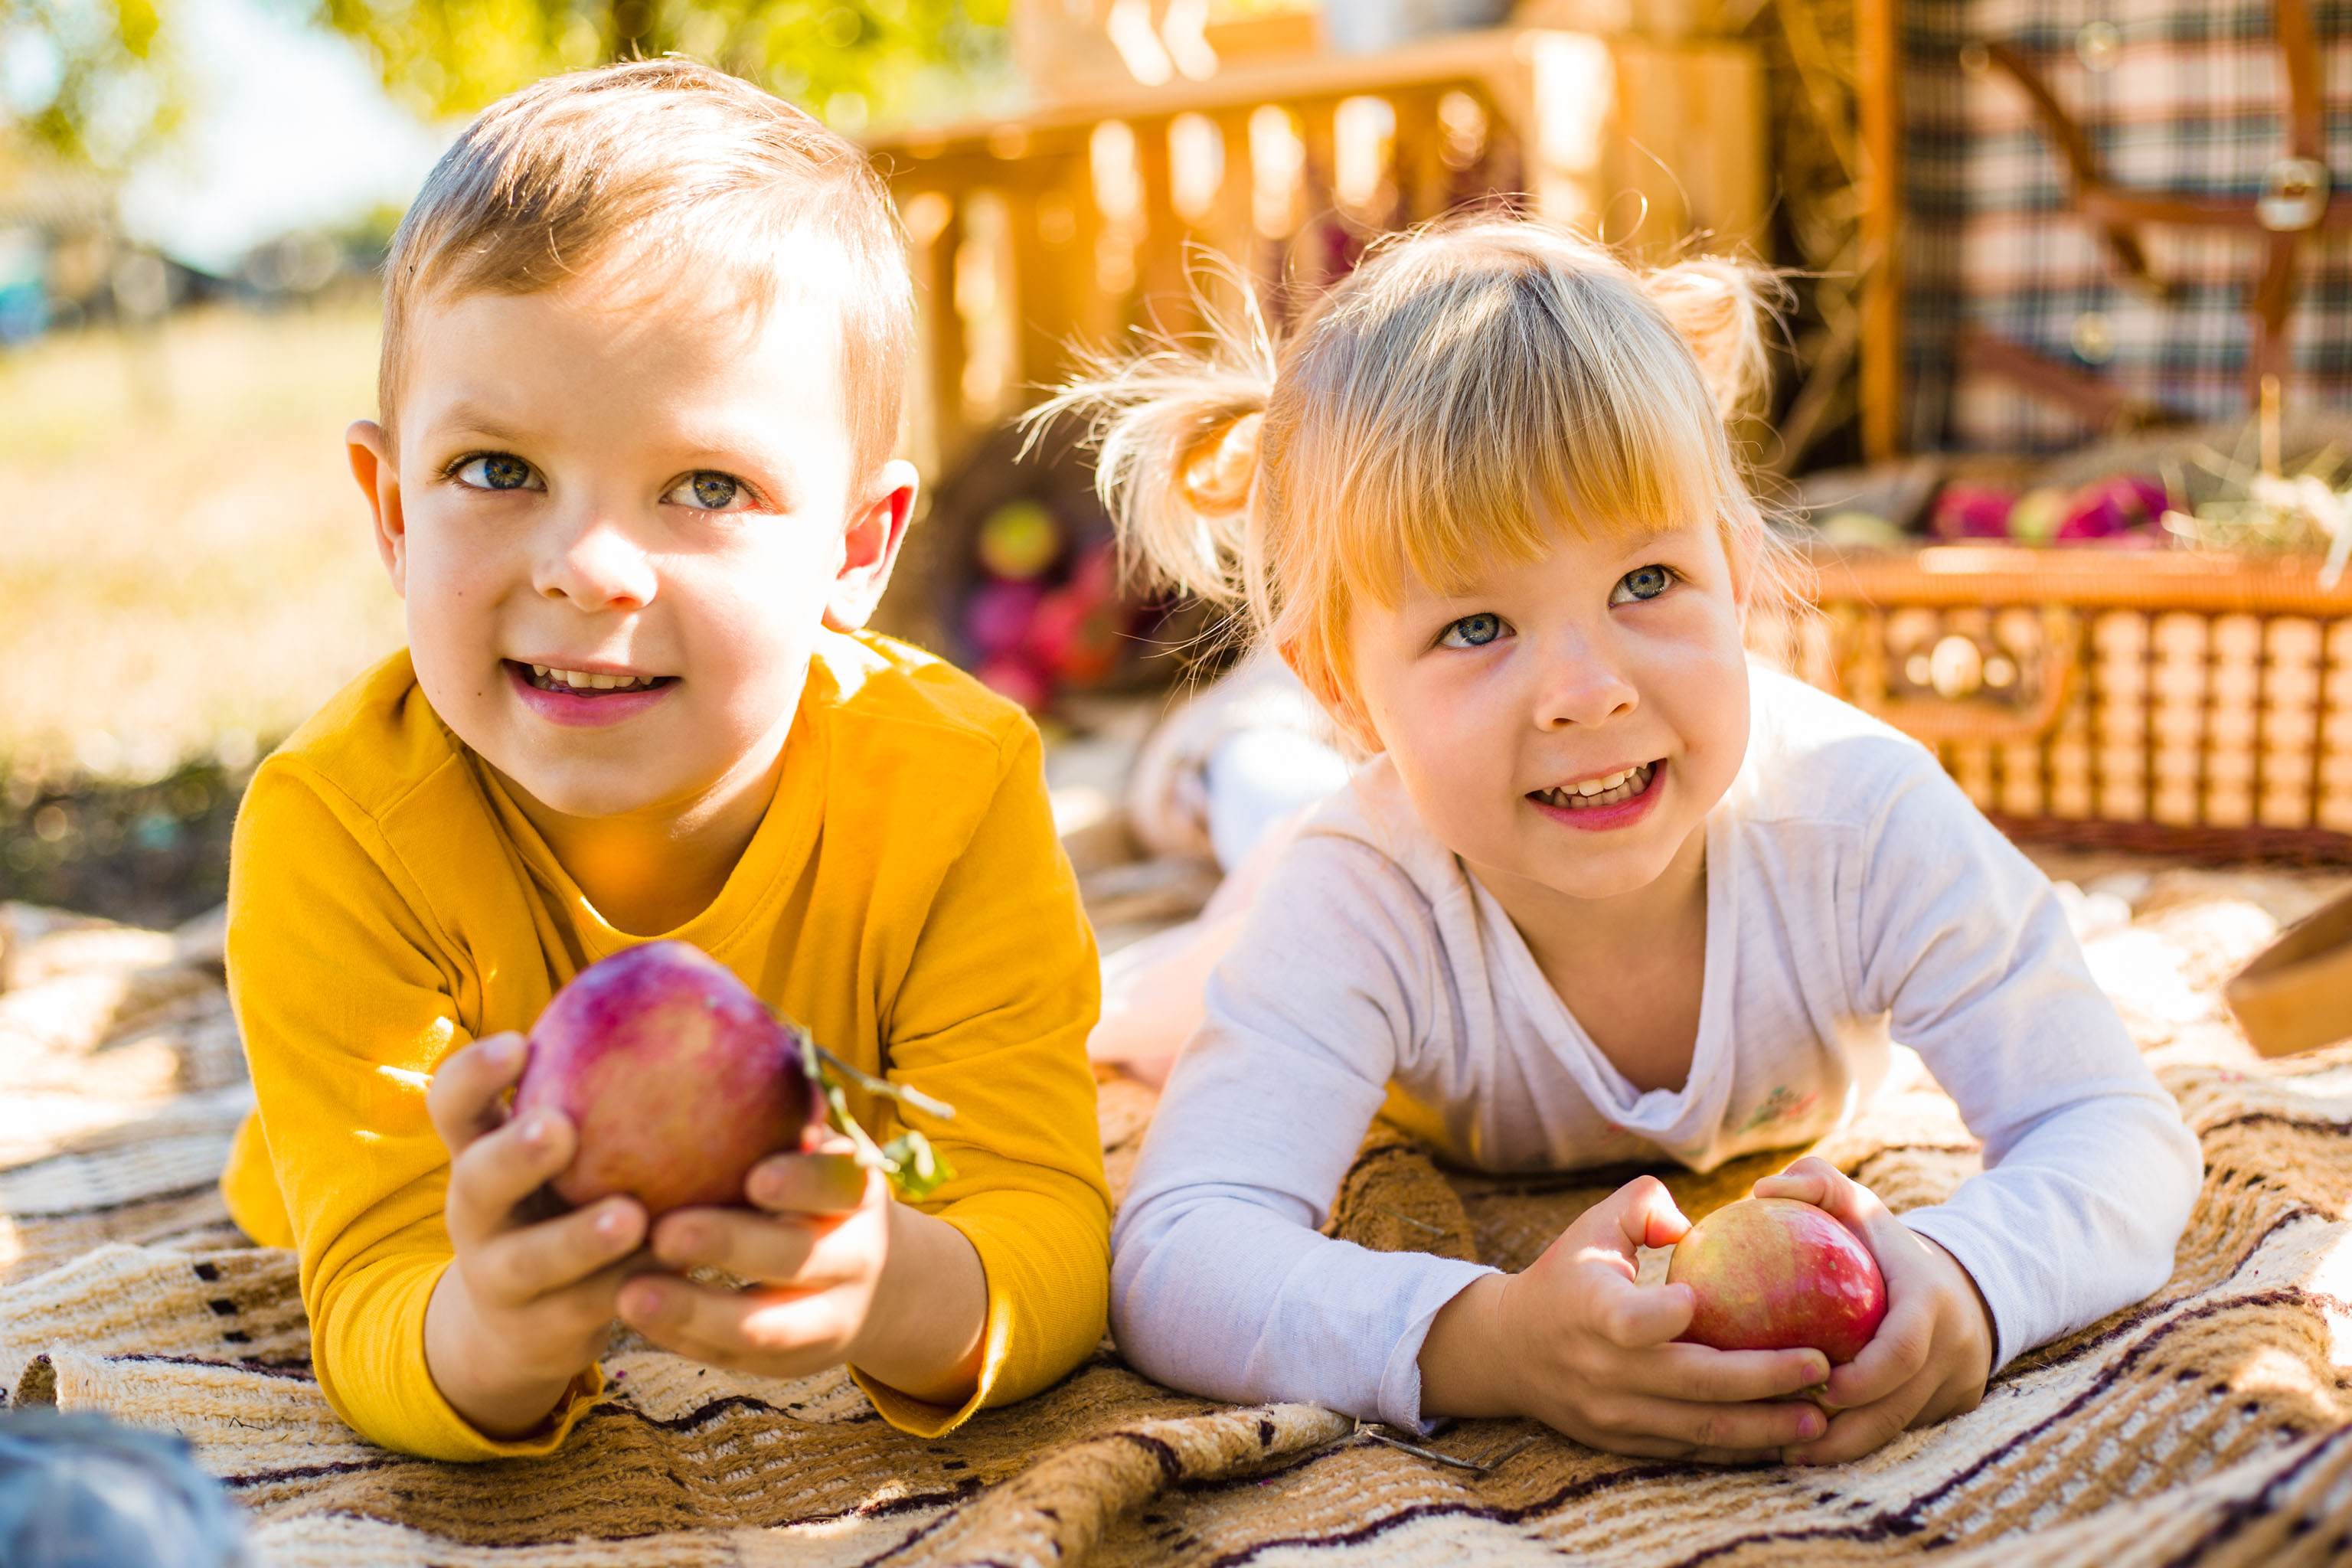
[1175, 435]
[1718, 307]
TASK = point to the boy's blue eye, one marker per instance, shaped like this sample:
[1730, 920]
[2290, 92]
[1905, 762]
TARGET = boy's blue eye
[499, 471]
[1640, 584]
[1472, 631]
[708, 491]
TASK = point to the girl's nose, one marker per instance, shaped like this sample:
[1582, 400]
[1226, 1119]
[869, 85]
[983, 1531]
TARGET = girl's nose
[1582, 686]
[596, 565]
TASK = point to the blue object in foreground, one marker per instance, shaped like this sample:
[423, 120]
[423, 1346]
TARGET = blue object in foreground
[78, 1491]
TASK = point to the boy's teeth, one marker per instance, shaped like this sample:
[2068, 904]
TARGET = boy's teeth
[550, 678]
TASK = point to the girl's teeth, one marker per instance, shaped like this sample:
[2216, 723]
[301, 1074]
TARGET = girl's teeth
[539, 670]
[1606, 791]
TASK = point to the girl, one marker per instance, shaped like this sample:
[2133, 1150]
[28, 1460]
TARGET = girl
[1603, 894]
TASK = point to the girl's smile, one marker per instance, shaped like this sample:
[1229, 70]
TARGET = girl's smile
[1607, 672]
[1603, 801]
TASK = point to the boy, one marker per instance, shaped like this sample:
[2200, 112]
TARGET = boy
[644, 334]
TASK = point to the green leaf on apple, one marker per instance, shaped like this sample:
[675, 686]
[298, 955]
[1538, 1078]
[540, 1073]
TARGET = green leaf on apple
[915, 1169]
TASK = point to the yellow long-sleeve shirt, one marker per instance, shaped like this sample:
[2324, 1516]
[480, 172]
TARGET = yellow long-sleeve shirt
[905, 898]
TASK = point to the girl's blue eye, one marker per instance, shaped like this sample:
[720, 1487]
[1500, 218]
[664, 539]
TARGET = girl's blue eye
[1472, 631]
[708, 491]
[499, 471]
[1640, 584]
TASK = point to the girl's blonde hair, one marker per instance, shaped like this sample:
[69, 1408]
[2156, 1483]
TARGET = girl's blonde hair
[1466, 386]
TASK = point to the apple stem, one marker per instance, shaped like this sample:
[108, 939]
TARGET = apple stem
[914, 1168]
[914, 1097]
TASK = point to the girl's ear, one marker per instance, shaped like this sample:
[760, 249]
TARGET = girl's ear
[368, 446]
[1333, 697]
[870, 539]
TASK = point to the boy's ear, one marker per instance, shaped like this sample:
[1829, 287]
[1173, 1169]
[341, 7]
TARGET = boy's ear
[373, 467]
[870, 546]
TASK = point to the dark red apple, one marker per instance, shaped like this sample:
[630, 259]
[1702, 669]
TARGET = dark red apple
[1775, 1274]
[678, 1078]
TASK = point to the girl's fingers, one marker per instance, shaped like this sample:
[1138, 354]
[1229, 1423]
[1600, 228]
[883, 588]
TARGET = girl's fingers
[1694, 1372]
[1635, 1317]
[498, 1170]
[811, 1184]
[752, 1245]
[1894, 1355]
[1854, 1433]
[463, 1098]
[1640, 1214]
[1757, 1431]
[536, 1259]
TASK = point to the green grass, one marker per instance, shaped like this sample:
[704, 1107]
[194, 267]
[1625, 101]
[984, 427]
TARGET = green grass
[186, 568]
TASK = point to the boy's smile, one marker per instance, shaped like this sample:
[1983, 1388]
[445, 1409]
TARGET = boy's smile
[620, 520]
[586, 698]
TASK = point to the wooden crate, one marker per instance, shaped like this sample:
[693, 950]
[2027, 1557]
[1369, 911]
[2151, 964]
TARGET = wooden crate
[1070, 224]
[2165, 701]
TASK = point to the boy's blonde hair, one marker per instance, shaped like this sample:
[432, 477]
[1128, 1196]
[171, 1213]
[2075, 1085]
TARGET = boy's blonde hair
[658, 166]
[1465, 384]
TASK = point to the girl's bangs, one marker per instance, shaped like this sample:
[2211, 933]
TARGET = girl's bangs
[1539, 409]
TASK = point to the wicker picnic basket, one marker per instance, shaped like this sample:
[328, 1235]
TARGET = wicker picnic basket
[2168, 701]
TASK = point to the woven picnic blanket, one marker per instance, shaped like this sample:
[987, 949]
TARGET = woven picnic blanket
[2210, 1423]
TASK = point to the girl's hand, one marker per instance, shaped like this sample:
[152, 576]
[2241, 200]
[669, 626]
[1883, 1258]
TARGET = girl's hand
[842, 1273]
[523, 1308]
[1933, 1352]
[1574, 1343]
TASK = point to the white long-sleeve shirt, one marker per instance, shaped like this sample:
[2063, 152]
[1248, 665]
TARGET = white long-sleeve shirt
[1854, 896]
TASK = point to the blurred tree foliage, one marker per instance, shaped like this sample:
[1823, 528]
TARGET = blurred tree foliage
[93, 82]
[851, 60]
[90, 82]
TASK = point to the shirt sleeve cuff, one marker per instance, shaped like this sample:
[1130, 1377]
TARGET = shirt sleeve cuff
[452, 1437]
[921, 1419]
[1401, 1379]
[1972, 1253]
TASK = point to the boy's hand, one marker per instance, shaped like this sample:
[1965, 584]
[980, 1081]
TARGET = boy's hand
[842, 1272]
[523, 1308]
[1575, 1344]
[1933, 1352]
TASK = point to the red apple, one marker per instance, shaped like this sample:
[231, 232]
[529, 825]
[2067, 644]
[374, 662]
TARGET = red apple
[1775, 1274]
[678, 1078]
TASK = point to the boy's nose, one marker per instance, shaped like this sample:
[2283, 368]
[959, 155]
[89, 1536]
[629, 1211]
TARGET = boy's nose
[598, 566]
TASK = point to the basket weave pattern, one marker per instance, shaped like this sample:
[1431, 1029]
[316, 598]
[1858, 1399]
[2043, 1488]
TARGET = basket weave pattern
[2186, 704]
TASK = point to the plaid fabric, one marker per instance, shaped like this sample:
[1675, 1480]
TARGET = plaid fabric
[2194, 101]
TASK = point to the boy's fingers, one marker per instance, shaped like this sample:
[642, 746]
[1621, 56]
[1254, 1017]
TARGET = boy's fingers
[730, 1328]
[535, 1260]
[810, 1183]
[752, 1245]
[463, 1098]
[1694, 1372]
[592, 1303]
[498, 1170]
